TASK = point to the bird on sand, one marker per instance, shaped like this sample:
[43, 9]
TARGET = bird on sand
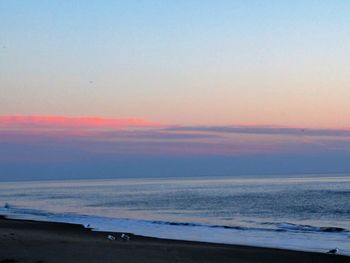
[333, 251]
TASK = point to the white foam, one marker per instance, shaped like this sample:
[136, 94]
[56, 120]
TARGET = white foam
[303, 241]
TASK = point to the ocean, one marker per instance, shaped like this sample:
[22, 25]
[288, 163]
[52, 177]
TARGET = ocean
[299, 212]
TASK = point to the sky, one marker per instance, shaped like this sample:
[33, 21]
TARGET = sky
[156, 88]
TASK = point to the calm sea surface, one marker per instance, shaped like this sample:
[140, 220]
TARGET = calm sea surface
[296, 212]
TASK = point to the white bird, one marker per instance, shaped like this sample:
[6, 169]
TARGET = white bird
[333, 251]
[110, 237]
[125, 237]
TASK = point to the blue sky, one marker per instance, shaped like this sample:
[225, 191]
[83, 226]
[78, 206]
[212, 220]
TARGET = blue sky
[255, 62]
[221, 85]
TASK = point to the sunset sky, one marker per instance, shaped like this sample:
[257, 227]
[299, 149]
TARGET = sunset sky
[181, 87]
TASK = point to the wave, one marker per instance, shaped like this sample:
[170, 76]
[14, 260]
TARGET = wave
[273, 226]
[279, 227]
[308, 228]
[26, 211]
[268, 234]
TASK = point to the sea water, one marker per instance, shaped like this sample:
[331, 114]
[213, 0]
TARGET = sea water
[302, 212]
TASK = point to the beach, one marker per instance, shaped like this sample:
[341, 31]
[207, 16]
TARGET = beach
[34, 241]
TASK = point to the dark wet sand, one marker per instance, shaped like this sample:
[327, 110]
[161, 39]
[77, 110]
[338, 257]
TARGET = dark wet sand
[39, 242]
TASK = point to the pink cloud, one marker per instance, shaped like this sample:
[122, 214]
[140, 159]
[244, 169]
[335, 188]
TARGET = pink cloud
[21, 135]
[20, 121]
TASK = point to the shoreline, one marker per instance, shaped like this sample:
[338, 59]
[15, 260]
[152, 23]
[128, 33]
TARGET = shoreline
[39, 241]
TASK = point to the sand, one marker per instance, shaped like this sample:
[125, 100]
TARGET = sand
[39, 242]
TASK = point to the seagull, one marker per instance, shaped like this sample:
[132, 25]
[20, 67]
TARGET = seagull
[333, 251]
[110, 237]
[125, 237]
